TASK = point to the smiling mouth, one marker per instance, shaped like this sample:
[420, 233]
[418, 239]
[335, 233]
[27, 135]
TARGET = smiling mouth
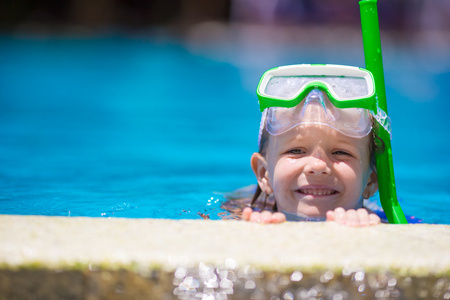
[317, 192]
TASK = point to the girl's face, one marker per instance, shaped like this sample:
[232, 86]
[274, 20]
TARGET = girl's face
[313, 169]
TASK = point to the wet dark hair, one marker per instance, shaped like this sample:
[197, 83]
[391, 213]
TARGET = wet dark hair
[376, 146]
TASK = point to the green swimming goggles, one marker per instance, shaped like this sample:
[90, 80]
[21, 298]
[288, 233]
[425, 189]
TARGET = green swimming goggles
[341, 97]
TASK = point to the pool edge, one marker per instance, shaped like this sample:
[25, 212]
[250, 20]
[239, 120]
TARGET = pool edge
[145, 251]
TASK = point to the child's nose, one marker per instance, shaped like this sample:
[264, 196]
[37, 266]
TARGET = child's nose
[317, 165]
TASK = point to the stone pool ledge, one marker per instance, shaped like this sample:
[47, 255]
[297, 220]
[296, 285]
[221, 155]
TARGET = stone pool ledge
[97, 258]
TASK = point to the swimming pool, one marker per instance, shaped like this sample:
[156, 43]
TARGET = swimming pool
[155, 127]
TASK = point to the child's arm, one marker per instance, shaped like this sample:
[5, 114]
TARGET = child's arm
[351, 217]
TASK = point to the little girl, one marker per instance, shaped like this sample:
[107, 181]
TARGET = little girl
[316, 146]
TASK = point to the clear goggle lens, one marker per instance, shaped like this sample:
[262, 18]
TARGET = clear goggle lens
[344, 87]
[316, 109]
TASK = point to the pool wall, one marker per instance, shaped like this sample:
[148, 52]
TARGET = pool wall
[115, 258]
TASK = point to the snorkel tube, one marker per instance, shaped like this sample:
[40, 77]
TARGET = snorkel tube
[374, 63]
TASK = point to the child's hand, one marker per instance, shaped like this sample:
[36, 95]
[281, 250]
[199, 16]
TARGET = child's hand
[353, 218]
[262, 217]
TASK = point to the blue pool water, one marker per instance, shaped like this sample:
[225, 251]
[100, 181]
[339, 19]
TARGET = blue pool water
[161, 128]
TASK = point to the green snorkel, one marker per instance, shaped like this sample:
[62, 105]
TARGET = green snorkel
[374, 63]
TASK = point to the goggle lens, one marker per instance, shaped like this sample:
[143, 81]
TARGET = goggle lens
[317, 109]
[344, 87]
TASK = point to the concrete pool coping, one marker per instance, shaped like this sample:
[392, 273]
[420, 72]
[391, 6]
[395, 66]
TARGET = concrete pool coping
[37, 247]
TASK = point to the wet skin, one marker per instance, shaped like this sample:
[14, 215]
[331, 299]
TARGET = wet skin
[314, 169]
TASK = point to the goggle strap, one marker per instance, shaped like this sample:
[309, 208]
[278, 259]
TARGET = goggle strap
[383, 119]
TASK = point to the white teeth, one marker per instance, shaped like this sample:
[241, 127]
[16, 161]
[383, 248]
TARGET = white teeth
[318, 192]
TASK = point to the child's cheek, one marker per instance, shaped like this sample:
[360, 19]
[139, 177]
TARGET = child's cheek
[348, 171]
[287, 167]
[291, 163]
